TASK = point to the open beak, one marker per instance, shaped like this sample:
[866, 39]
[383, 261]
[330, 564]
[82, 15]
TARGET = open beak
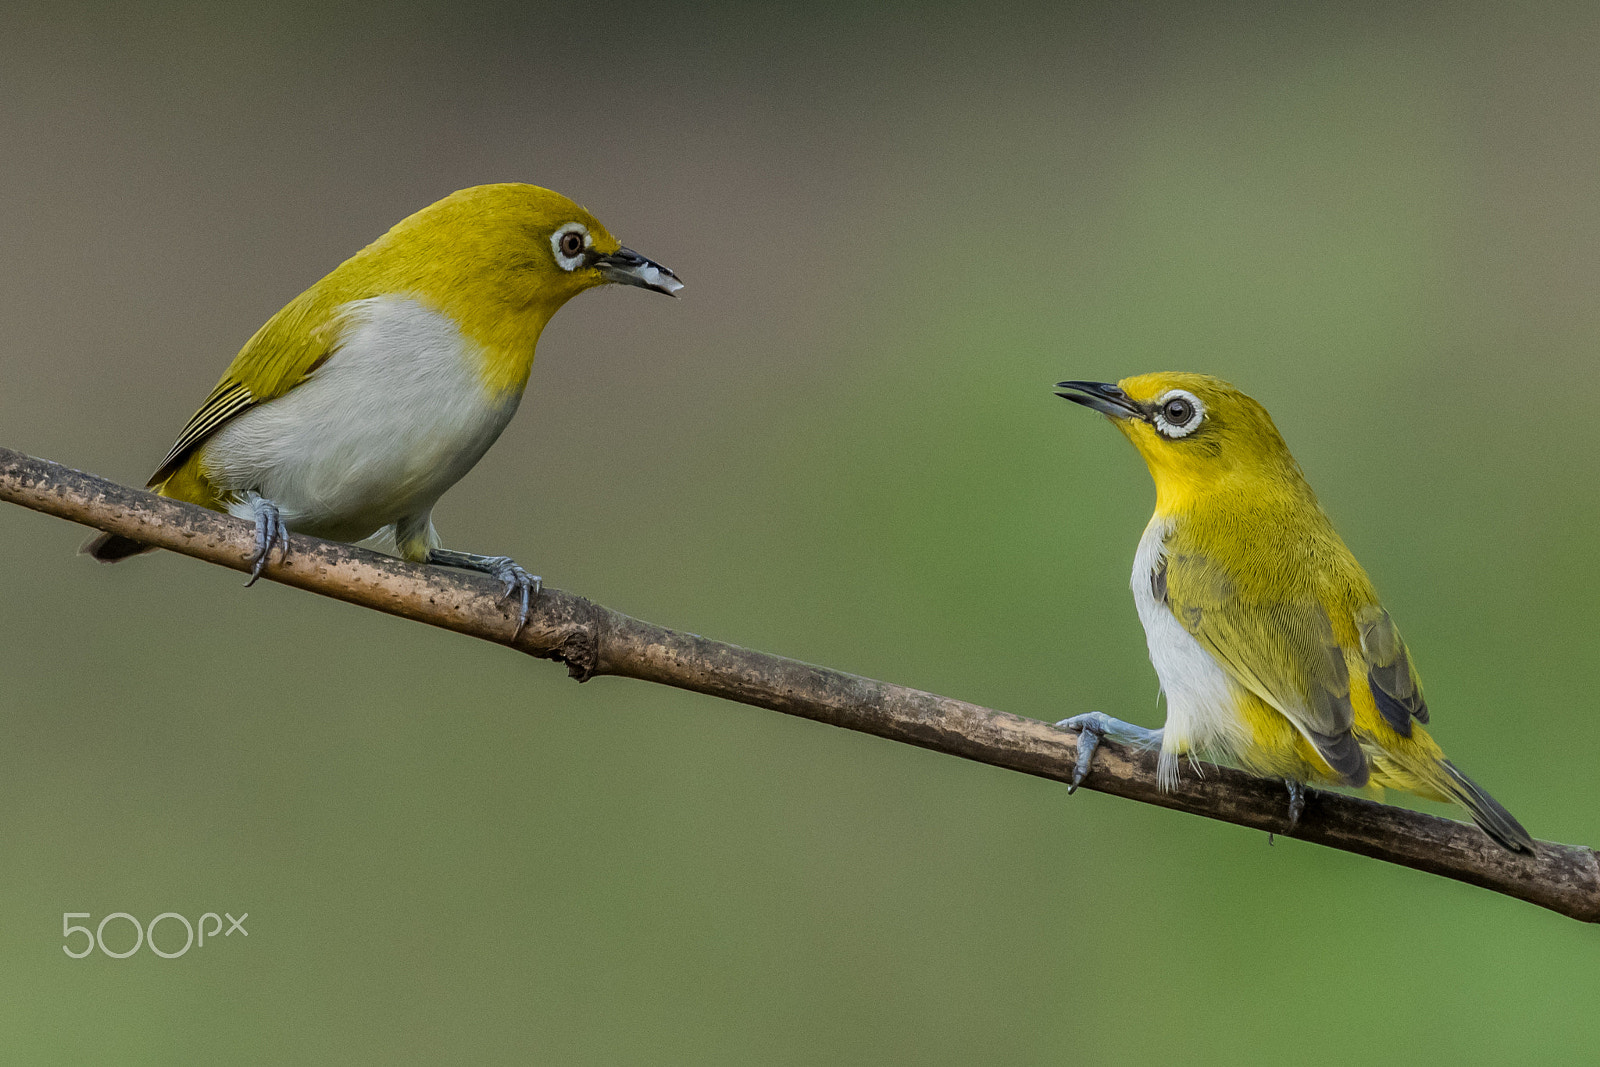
[1102, 397]
[627, 267]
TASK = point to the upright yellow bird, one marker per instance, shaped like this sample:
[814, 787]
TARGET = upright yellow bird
[371, 393]
[1271, 646]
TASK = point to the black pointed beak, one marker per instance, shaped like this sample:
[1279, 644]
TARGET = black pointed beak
[1102, 397]
[627, 267]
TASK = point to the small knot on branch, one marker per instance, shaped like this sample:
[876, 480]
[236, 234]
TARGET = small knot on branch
[567, 629]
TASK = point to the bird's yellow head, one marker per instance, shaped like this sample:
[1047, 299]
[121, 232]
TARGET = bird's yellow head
[499, 260]
[1194, 431]
[517, 247]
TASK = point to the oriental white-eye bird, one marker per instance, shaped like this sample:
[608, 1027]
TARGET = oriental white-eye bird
[371, 393]
[1273, 650]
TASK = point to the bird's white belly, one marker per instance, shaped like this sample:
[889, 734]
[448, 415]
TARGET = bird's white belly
[377, 433]
[1201, 705]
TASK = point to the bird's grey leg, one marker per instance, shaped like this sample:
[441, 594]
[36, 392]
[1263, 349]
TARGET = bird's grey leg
[270, 531]
[1094, 725]
[1297, 807]
[519, 584]
[1297, 802]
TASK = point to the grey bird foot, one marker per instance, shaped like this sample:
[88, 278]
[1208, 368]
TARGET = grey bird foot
[1091, 728]
[1297, 806]
[270, 531]
[1297, 802]
[1094, 726]
[518, 584]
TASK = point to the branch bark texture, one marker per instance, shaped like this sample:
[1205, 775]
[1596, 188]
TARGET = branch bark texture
[593, 640]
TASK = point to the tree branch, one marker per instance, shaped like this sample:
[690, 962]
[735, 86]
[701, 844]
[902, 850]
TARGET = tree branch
[593, 640]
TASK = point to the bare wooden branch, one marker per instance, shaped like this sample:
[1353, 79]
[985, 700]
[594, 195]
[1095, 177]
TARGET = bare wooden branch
[593, 640]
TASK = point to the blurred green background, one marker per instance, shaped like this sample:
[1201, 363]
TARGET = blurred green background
[899, 225]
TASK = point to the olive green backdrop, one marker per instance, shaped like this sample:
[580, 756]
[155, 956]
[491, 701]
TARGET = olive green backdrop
[899, 227]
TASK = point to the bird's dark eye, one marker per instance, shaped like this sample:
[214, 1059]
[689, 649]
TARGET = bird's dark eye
[571, 243]
[1180, 414]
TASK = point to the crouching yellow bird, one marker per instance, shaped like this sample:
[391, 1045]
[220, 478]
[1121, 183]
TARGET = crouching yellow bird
[371, 393]
[1271, 646]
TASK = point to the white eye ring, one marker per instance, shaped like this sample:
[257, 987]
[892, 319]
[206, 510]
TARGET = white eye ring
[557, 239]
[1177, 423]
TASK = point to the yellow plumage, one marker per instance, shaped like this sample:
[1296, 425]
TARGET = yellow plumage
[1281, 658]
[354, 407]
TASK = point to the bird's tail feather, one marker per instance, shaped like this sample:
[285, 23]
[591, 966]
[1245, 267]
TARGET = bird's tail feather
[109, 548]
[1486, 811]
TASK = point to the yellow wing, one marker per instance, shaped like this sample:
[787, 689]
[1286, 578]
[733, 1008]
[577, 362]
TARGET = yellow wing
[1283, 652]
[1395, 687]
[282, 354]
